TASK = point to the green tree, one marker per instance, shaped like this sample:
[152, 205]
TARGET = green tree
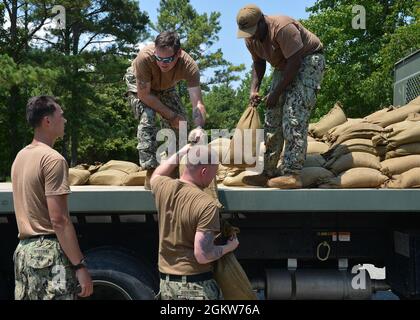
[360, 62]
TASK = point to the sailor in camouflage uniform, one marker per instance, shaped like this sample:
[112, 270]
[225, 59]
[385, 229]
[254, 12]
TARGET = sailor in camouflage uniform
[297, 57]
[151, 82]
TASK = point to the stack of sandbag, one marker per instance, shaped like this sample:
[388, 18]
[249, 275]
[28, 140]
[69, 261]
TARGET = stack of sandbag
[118, 173]
[356, 178]
[331, 135]
[353, 160]
[234, 177]
[361, 130]
[333, 118]
[407, 179]
[80, 174]
[396, 115]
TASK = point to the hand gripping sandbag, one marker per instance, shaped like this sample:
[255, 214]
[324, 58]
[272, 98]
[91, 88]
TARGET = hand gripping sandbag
[243, 146]
[229, 274]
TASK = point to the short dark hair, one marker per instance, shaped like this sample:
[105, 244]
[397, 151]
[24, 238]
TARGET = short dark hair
[168, 39]
[38, 107]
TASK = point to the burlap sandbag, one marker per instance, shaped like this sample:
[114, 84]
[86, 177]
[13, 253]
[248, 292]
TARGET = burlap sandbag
[124, 166]
[108, 177]
[398, 137]
[362, 130]
[356, 178]
[378, 114]
[332, 119]
[222, 172]
[399, 114]
[408, 179]
[335, 132]
[399, 165]
[404, 150]
[316, 147]
[235, 179]
[311, 138]
[91, 168]
[78, 177]
[353, 160]
[403, 125]
[354, 145]
[313, 176]
[314, 160]
[413, 117]
[229, 274]
[243, 147]
[135, 178]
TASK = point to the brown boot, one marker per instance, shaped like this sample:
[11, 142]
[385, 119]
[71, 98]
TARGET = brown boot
[286, 182]
[259, 180]
[147, 180]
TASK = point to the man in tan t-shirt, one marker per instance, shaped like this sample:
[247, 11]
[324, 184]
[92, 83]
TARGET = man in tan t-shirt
[48, 249]
[188, 222]
[151, 82]
[297, 57]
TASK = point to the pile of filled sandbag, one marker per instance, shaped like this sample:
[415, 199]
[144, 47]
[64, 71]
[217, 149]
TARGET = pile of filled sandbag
[333, 118]
[112, 173]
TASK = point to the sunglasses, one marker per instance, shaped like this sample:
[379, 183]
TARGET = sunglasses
[165, 60]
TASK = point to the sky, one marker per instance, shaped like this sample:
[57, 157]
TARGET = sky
[234, 49]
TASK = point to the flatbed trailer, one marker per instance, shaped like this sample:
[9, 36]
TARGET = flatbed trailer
[294, 244]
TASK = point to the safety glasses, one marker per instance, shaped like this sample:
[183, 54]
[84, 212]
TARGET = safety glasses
[165, 60]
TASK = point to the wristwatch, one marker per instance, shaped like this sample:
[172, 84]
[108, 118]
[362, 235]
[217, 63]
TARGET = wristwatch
[81, 264]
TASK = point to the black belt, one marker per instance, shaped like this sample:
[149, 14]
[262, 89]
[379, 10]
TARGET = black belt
[188, 278]
[43, 236]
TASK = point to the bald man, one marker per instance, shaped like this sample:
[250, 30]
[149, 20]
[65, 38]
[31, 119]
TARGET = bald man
[188, 222]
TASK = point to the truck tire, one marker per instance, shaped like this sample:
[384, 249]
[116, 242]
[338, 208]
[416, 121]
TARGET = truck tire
[118, 268]
[114, 285]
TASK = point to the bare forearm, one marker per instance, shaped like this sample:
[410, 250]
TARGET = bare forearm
[199, 115]
[169, 165]
[68, 240]
[154, 103]
[258, 71]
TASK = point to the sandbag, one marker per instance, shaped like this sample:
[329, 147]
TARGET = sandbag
[78, 177]
[109, 177]
[316, 147]
[353, 160]
[399, 114]
[135, 178]
[406, 124]
[243, 147]
[335, 132]
[91, 168]
[378, 114]
[229, 274]
[222, 172]
[124, 166]
[234, 179]
[309, 138]
[404, 150]
[362, 130]
[398, 137]
[408, 179]
[314, 160]
[312, 176]
[333, 118]
[399, 165]
[413, 117]
[354, 145]
[356, 178]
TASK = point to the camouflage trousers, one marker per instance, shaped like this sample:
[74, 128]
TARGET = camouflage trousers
[287, 123]
[201, 290]
[147, 129]
[42, 271]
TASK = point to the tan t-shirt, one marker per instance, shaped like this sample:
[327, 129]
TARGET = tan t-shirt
[182, 210]
[285, 37]
[147, 70]
[37, 172]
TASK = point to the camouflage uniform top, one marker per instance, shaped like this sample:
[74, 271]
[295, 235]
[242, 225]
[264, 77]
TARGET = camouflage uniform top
[146, 70]
[285, 37]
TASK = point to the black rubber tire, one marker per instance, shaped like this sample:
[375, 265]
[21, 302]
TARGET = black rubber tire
[114, 285]
[120, 266]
